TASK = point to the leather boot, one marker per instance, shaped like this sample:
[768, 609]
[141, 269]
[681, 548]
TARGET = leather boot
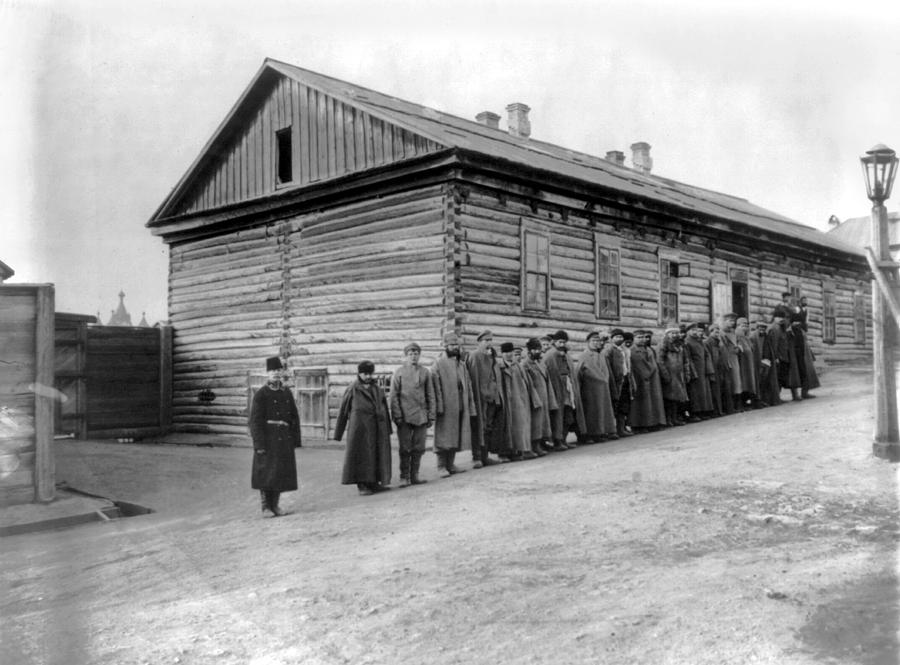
[264, 503]
[273, 503]
[451, 467]
[414, 479]
[405, 468]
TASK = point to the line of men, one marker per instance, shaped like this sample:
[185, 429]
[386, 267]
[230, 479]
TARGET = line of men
[521, 404]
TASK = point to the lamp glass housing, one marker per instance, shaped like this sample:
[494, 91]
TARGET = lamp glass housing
[879, 168]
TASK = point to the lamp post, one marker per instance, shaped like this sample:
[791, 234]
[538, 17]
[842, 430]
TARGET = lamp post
[879, 167]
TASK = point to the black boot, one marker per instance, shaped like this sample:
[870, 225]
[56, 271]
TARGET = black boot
[405, 468]
[452, 469]
[265, 503]
[273, 503]
[415, 460]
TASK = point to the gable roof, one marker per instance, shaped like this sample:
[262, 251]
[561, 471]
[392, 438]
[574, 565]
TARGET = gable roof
[857, 231]
[468, 135]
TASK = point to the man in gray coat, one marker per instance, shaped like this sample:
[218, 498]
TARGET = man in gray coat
[454, 406]
[412, 410]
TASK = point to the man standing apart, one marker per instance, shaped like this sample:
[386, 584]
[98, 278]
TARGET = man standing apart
[275, 430]
[454, 406]
[412, 410]
[365, 416]
[541, 432]
[487, 423]
[561, 370]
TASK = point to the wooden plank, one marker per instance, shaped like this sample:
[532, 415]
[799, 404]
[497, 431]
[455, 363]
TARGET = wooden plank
[266, 139]
[165, 377]
[332, 135]
[322, 137]
[340, 165]
[315, 173]
[296, 141]
[45, 467]
[349, 139]
[360, 142]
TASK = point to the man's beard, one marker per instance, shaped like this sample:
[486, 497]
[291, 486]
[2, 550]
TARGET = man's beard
[453, 354]
[275, 384]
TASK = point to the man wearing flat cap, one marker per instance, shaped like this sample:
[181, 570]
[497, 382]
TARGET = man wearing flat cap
[592, 370]
[702, 372]
[519, 399]
[730, 357]
[413, 411]
[366, 418]
[647, 407]
[275, 431]
[620, 378]
[561, 370]
[454, 406]
[488, 420]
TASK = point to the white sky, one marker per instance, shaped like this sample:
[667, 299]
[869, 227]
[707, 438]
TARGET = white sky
[106, 103]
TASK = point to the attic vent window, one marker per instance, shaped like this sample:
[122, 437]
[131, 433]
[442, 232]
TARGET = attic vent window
[285, 156]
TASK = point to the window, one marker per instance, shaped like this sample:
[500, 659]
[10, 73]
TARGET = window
[829, 324]
[795, 290]
[740, 292]
[536, 270]
[668, 290]
[284, 155]
[859, 317]
[607, 271]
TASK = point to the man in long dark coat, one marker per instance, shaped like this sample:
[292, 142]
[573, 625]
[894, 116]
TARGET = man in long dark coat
[541, 431]
[803, 355]
[592, 370]
[730, 357]
[275, 431]
[619, 379]
[455, 406]
[672, 376]
[748, 364]
[519, 399]
[561, 370]
[767, 362]
[412, 410]
[647, 409]
[699, 391]
[786, 366]
[488, 420]
[366, 418]
[721, 386]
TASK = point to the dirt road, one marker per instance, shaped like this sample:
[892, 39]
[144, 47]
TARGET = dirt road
[764, 537]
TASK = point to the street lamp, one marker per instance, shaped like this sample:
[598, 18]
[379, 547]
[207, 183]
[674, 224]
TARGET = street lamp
[879, 167]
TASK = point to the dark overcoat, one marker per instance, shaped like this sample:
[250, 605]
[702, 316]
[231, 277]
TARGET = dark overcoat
[454, 404]
[647, 408]
[365, 416]
[699, 391]
[540, 416]
[671, 372]
[275, 469]
[519, 398]
[559, 365]
[767, 361]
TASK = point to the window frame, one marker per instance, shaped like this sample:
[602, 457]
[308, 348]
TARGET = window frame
[284, 138]
[667, 278]
[614, 247]
[542, 233]
[829, 314]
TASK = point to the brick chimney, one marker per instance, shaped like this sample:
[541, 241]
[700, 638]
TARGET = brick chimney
[616, 157]
[488, 119]
[640, 157]
[518, 122]
[834, 222]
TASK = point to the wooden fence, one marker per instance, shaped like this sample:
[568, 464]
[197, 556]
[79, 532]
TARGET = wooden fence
[26, 393]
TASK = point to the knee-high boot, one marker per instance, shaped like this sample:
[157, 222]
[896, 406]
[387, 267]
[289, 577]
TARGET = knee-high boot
[405, 467]
[414, 462]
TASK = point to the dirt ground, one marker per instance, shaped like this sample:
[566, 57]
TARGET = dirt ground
[764, 537]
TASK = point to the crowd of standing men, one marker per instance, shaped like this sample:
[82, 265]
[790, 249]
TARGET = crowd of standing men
[522, 403]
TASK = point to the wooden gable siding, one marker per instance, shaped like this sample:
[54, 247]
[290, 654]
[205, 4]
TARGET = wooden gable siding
[367, 279]
[490, 275]
[329, 139]
[325, 289]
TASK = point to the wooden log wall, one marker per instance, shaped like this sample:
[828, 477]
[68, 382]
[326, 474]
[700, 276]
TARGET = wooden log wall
[328, 139]
[326, 289]
[27, 470]
[490, 293]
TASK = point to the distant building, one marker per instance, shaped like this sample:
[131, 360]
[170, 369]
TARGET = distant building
[120, 317]
[5, 272]
[858, 231]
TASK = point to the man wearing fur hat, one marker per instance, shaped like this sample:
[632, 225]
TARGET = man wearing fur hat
[561, 370]
[275, 431]
[454, 406]
[592, 370]
[541, 432]
[366, 418]
[519, 399]
[412, 410]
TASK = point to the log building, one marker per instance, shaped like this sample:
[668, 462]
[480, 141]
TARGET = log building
[329, 223]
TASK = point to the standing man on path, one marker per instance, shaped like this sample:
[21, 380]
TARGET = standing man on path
[275, 430]
[594, 384]
[487, 423]
[454, 406]
[366, 418]
[541, 432]
[561, 370]
[412, 410]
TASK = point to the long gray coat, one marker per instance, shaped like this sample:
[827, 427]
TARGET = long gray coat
[540, 416]
[364, 415]
[275, 469]
[592, 370]
[455, 403]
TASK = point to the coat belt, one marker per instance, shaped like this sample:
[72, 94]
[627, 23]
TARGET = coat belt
[281, 423]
